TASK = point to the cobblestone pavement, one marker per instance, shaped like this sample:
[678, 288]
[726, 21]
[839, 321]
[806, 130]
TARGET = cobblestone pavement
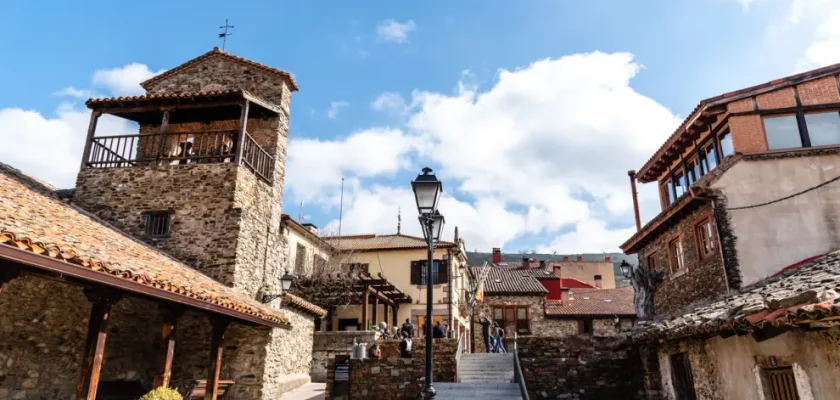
[311, 391]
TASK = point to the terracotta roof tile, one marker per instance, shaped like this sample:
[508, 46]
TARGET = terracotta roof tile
[373, 242]
[33, 218]
[217, 52]
[504, 281]
[297, 302]
[593, 302]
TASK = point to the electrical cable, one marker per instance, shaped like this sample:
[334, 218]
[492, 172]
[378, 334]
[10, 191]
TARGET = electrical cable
[786, 197]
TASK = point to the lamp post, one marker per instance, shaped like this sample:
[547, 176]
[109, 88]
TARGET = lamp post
[427, 189]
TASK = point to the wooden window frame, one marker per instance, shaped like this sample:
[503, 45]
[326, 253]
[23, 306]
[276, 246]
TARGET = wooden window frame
[586, 326]
[651, 256]
[504, 322]
[702, 255]
[672, 259]
[683, 383]
[780, 383]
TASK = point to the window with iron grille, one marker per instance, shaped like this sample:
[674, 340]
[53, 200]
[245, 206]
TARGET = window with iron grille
[781, 383]
[157, 224]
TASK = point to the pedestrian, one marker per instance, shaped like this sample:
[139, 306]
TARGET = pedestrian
[374, 351]
[407, 328]
[485, 332]
[438, 332]
[405, 346]
[499, 334]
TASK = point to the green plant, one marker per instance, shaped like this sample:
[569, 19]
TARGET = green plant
[162, 393]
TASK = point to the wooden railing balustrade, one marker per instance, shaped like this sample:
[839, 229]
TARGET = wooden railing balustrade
[256, 158]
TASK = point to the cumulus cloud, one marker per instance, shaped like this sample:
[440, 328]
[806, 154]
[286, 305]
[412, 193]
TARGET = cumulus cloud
[825, 49]
[335, 106]
[542, 152]
[125, 80]
[389, 102]
[393, 31]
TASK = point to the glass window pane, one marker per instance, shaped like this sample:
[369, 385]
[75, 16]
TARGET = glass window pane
[782, 132]
[711, 159]
[726, 148]
[692, 172]
[520, 313]
[823, 128]
[679, 185]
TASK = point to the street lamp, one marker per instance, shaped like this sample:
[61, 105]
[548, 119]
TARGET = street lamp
[626, 269]
[286, 281]
[427, 189]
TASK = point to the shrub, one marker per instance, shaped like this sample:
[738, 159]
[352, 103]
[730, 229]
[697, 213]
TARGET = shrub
[162, 393]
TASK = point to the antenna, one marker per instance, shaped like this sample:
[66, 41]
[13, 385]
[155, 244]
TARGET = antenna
[341, 207]
[225, 35]
[300, 212]
[399, 219]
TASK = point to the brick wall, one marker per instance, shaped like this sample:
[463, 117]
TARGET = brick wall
[702, 280]
[781, 98]
[392, 377]
[818, 91]
[580, 367]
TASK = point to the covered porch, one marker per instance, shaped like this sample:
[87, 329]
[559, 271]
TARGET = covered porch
[372, 295]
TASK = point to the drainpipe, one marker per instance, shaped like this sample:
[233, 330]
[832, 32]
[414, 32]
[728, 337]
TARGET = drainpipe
[632, 175]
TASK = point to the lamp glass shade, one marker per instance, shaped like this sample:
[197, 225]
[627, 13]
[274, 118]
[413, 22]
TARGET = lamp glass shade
[286, 280]
[427, 189]
[626, 268]
[437, 226]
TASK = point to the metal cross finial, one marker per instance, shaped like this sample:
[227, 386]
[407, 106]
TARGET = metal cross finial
[225, 35]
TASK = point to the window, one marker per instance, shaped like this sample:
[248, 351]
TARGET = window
[726, 148]
[300, 259]
[320, 263]
[651, 261]
[668, 193]
[675, 250]
[782, 132]
[781, 383]
[356, 268]
[705, 237]
[440, 272]
[691, 169]
[682, 378]
[679, 185]
[585, 327]
[710, 158]
[823, 128]
[516, 316]
[157, 224]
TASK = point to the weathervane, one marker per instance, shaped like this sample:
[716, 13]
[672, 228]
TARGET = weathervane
[225, 35]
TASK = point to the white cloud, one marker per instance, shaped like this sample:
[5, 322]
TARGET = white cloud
[825, 49]
[71, 91]
[543, 152]
[125, 80]
[390, 30]
[335, 106]
[389, 102]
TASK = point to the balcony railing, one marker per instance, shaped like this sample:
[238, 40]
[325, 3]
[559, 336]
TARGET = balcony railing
[202, 147]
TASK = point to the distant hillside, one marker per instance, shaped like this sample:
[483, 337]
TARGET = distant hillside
[478, 258]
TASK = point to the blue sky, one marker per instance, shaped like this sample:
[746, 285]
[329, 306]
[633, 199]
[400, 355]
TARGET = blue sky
[531, 111]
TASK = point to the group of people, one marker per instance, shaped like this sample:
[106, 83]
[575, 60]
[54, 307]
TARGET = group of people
[493, 335]
[406, 333]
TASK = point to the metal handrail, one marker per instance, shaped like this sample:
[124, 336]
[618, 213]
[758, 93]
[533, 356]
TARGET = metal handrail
[458, 353]
[517, 370]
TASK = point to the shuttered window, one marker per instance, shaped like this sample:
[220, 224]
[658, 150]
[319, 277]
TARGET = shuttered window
[782, 383]
[440, 272]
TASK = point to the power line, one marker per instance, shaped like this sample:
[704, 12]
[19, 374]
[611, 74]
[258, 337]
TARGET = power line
[786, 197]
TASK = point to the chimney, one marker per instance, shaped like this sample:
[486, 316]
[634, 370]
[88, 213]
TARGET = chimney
[632, 175]
[558, 271]
[565, 258]
[580, 258]
[312, 228]
[607, 259]
[497, 255]
[564, 295]
[542, 264]
[598, 281]
[526, 264]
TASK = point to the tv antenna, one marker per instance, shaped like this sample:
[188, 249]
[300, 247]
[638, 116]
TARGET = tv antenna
[225, 35]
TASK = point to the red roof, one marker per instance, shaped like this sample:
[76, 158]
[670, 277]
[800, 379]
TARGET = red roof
[574, 283]
[593, 302]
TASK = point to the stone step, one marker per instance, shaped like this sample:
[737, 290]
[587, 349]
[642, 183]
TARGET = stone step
[458, 385]
[485, 380]
[485, 367]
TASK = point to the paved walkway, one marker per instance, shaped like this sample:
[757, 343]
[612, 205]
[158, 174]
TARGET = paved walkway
[311, 391]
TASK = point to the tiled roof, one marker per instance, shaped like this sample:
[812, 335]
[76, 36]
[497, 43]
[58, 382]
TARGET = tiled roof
[299, 303]
[539, 273]
[155, 98]
[374, 242]
[217, 52]
[504, 281]
[575, 283]
[593, 302]
[805, 295]
[33, 218]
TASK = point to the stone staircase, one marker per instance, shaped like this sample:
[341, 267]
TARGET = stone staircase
[481, 376]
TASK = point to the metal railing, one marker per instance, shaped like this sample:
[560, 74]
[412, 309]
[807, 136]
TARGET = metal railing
[214, 146]
[458, 353]
[517, 371]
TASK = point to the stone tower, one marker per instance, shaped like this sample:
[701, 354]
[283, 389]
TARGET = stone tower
[203, 179]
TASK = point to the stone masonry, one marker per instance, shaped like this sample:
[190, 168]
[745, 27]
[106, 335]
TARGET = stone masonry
[327, 345]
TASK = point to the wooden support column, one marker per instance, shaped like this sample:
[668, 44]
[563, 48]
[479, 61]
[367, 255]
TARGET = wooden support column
[375, 309]
[330, 318]
[394, 315]
[168, 333]
[94, 117]
[385, 311]
[217, 344]
[243, 125]
[164, 126]
[97, 332]
[365, 302]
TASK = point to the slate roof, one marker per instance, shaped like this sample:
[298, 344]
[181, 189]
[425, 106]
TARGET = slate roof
[33, 218]
[215, 53]
[802, 296]
[374, 242]
[539, 273]
[504, 281]
[593, 302]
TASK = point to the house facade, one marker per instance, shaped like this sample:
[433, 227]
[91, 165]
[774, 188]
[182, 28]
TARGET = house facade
[170, 248]
[306, 251]
[748, 192]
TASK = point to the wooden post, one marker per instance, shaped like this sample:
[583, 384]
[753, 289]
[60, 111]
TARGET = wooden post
[168, 332]
[365, 301]
[385, 312]
[243, 125]
[94, 117]
[164, 125]
[330, 317]
[95, 344]
[632, 175]
[394, 315]
[217, 344]
[375, 309]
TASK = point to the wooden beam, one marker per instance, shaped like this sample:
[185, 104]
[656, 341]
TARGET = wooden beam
[394, 315]
[243, 126]
[385, 312]
[365, 302]
[375, 310]
[94, 117]
[217, 344]
[164, 125]
[97, 332]
[168, 332]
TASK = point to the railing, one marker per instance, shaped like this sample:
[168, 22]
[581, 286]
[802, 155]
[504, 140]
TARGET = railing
[517, 371]
[458, 353]
[216, 146]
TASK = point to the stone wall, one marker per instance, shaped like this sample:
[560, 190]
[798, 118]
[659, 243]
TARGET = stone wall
[392, 377]
[580, 367]
[327, 345]
[701, 281]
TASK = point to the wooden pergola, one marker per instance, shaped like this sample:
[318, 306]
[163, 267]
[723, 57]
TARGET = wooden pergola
[371, 291]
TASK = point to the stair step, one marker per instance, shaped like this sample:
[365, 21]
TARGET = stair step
[500, 385]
